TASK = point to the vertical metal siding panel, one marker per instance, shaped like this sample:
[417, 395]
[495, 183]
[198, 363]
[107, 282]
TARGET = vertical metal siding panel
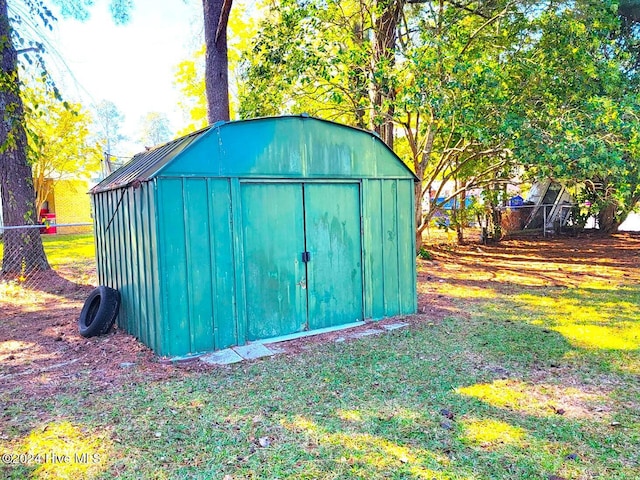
[125, 256]
[130, 249]
[124, 263]
[174, 259]
[158, 330]
[125, 253]
[116, 239]
[138, 272]
[367, 245]
[130, 253]
[109, 242]
[97, 232]
[162, 333]
[375, 254]
[104, 200]
[146, 299]
[138, 261]
[406, 247]
[238, 248]
[211, 224]
[199, 264]
[101, 223]
[414, 267]
[390, 245]
[112, 229]
[223, 271]
[97, 237]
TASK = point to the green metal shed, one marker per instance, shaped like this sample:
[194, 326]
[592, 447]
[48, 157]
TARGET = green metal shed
[255, 229]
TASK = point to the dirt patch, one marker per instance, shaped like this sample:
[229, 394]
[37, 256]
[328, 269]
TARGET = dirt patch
[41, 352]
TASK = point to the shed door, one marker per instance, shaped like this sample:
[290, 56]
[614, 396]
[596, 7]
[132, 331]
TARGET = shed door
[281, 221]
[273, 222]
[334, 272]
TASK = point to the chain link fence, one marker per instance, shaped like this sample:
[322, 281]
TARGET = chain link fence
[41, 257]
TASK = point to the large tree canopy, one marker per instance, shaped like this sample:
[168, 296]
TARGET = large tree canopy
[580, 121]
[468, 93]
[431, 78]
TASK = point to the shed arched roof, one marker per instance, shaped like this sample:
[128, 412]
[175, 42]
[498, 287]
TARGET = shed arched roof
[270, 147]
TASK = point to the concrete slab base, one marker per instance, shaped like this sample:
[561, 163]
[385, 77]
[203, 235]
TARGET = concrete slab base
[309, 333]
[221, 357]
[237, 354]
[365, 333]
[395, 326]
[266, 348]
[253, 351]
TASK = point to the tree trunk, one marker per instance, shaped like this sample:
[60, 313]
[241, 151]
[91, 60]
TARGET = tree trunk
[420, 163]
[216, 17]
[608, 221]
[460, 214]
[383, 57]
[23, 251]
[358, 79]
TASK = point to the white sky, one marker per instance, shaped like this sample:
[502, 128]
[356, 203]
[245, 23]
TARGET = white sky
[133, 65]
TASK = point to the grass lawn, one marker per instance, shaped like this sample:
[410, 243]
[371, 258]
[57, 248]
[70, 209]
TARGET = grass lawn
[66, 249]
[523, 363]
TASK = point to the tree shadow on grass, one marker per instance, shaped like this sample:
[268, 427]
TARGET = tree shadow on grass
[390, 407]
[428, 425]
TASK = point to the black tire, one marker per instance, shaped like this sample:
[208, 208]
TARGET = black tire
[99, 311]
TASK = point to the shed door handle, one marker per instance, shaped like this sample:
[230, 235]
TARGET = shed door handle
[306, 257]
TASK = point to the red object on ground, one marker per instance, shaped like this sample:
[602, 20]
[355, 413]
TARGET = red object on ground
[49, 219]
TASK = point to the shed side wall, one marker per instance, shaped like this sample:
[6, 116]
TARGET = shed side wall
[125, 254]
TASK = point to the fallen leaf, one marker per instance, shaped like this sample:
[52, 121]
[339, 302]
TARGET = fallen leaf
[446, 425]
[264, 442]
[447, 413]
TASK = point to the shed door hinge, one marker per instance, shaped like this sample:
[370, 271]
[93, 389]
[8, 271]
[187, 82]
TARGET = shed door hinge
[306, 257]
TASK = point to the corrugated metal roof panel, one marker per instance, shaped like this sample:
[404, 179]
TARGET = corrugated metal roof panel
[143, 165]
